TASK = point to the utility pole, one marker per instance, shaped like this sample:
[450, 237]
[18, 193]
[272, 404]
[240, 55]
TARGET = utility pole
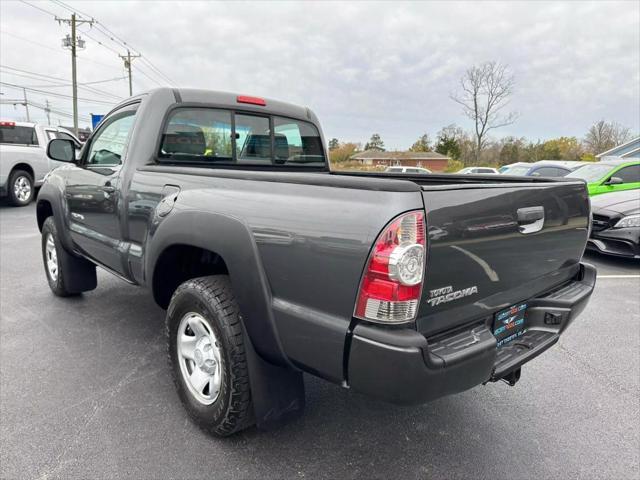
[127, 64]
[47, 110]
[26, 104]
[74, 42]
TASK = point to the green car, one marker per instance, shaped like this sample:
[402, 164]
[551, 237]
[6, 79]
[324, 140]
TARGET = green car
[609, 176]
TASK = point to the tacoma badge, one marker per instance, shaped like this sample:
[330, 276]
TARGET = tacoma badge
[447, 294]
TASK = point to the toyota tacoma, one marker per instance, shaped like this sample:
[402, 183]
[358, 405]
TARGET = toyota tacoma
[402, 287]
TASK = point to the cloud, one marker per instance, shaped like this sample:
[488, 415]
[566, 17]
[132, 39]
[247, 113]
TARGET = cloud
[363, 67]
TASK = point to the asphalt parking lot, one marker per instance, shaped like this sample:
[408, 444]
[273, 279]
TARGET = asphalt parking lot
[85, 392]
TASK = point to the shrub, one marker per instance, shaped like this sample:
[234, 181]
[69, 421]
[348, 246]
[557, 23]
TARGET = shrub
[453, 166]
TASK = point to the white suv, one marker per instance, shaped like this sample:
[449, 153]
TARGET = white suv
[418, 170]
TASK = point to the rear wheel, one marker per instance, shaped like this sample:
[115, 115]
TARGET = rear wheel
[207, 355]
[20, 188]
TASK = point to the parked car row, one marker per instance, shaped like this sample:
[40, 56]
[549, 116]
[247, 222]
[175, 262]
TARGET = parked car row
[616, 208]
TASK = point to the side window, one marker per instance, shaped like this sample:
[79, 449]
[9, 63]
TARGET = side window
[66, 136]
[296, 142]
[630, 174]
[110, 142]
[253, 139]
[51, 135]
[545, 172]
[200, 134]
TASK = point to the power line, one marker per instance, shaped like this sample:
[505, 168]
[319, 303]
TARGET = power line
[39, 8]
[104, 30]
[101, 27]
[55, 94]
[45, 107]
[100, 43]
[84, 59]
[52, 84]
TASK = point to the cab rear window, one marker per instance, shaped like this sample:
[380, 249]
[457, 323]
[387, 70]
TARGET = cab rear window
[208, 136]
[18, 135]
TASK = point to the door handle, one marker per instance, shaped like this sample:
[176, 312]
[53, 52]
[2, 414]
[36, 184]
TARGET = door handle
[108, 188]
[530, 219]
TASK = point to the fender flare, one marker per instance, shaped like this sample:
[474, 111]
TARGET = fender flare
[232, 240]
[52, 191]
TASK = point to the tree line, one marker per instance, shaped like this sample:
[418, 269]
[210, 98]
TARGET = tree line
[483, 94]
[461, 146]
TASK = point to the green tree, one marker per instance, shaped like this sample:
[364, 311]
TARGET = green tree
[334, 143]
[375, 143]
[512, 151]
[448, 141]
[562, 148]
[423, 144]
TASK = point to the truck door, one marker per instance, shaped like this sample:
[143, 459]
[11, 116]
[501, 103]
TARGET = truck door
[93, 194]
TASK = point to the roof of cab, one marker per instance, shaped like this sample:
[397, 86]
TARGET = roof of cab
[230, 100]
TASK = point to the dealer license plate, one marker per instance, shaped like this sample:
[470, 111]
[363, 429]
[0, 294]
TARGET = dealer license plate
[508, 324]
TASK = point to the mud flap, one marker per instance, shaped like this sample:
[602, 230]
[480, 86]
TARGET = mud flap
[277, 393]
[79, 273]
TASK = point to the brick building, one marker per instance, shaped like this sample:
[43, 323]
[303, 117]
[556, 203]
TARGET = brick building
[431, 160]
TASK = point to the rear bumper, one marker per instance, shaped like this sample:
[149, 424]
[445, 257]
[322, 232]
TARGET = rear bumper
[404, 367]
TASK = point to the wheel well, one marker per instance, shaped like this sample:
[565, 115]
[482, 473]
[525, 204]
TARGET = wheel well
[179, 263]
[43, 210]
[23, 166]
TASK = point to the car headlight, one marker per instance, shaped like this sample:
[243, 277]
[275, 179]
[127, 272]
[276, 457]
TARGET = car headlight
[629, 221]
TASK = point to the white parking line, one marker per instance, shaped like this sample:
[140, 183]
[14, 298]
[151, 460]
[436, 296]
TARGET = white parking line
[618, 276]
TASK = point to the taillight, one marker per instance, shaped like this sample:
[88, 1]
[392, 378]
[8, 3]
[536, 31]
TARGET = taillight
[392, 281]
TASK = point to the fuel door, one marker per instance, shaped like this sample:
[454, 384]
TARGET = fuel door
[169, 196]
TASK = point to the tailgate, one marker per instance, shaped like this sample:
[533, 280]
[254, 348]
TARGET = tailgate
[493, 245]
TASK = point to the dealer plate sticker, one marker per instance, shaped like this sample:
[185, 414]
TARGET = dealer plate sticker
[508, 324]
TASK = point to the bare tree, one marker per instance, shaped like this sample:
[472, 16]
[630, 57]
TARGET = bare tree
[603, 136]
[485, 92]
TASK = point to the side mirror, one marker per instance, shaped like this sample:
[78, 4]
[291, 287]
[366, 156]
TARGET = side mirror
[614, 181]
[62, 150]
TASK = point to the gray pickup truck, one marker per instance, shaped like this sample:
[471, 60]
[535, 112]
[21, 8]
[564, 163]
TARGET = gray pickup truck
[406, 288]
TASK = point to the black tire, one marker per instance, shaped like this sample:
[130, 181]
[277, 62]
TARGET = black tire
[24, 181]
[56, 283]
[213, 299]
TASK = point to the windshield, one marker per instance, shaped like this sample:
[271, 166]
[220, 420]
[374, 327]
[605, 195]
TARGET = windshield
[590, 173]
[518, 171]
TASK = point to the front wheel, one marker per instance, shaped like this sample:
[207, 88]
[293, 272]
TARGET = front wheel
[20, 188]
[51, 253]
[207, 355]
[67, 274]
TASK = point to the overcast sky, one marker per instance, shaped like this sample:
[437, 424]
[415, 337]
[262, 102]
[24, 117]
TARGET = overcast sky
[362, 67]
